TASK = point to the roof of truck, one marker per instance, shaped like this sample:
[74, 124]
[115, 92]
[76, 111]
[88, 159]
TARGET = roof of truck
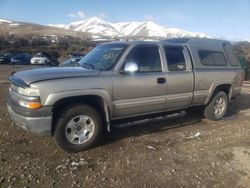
[188, 41]
[194, 40]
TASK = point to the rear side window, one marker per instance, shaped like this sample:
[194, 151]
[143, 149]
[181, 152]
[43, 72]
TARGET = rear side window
[146, 57]
[175, 58]
[230, 54]
[212, 58]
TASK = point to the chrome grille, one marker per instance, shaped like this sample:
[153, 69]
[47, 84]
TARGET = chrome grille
[13, 87]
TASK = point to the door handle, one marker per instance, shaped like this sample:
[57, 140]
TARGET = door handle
[161, 80]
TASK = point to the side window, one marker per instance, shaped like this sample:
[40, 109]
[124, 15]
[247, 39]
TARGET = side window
[230, 54]
[146, 57]
[212, 58]
[175, 58]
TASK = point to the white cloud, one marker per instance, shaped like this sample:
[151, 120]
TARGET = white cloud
[149, 18]
[79, 15]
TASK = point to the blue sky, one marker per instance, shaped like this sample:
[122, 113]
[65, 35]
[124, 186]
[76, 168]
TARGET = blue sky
[229, 19]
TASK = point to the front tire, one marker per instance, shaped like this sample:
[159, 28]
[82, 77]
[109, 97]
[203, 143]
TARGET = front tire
[78, 128]
[217, 107]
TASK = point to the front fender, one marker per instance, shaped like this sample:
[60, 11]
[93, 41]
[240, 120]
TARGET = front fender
[54, 97]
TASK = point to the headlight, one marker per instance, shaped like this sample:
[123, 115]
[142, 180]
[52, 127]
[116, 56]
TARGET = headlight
[31, 92]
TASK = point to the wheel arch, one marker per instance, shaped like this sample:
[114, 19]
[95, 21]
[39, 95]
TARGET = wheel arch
[99, 102]
[221, 86]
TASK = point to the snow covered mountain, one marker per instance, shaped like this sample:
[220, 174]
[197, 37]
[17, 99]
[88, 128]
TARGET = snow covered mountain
[100, 27]
[149, 29]
[9, 23]
[95, 26]
[5, 21]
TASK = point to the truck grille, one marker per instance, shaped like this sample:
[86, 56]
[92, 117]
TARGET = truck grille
[13, 87]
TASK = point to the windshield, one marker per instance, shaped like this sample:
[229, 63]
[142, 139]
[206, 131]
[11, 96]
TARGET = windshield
[103, 57]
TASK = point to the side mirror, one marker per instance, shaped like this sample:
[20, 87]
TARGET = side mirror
[130, 67]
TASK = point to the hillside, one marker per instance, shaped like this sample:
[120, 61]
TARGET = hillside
[34, 38]
[8, 27]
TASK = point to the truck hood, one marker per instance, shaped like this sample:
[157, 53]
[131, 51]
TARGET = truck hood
[41, 74]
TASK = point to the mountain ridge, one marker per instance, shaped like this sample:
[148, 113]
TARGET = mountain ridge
[98, 26]
[120, 30]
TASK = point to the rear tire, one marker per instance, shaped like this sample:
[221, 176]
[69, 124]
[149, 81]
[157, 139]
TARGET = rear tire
[217, 107]
[78, 128]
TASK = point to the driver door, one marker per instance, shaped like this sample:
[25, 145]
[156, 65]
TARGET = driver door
[143, 91]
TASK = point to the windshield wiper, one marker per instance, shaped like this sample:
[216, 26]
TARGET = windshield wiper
[88, 65]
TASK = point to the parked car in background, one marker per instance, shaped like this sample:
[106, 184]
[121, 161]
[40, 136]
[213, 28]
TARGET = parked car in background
[21, 59]
[5, 58]
[40, 59]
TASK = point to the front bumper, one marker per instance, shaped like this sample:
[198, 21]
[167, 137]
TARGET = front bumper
[39, 125]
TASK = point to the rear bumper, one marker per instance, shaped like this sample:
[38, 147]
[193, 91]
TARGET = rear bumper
[38, 125]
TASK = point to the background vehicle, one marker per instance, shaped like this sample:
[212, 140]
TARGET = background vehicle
[21, 59]
[40, 59]
[5, 58]
[121, 81]
[44, 58]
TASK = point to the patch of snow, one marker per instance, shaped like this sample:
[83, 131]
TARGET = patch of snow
[50, 35]
[58, 25]
[149, 29]
[5, 21]
[14, 24]
[175, 32]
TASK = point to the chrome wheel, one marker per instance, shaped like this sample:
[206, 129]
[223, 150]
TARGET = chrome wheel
[220, 106]
[80, 129]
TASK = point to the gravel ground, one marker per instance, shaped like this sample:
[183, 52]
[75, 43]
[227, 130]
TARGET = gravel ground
[182, 151]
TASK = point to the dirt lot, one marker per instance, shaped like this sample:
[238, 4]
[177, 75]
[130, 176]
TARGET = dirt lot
[185, 151]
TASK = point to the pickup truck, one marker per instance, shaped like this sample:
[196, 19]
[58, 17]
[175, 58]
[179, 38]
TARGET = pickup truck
[121, 81]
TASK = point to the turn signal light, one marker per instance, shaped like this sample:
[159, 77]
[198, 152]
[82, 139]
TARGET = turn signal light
[30, 105]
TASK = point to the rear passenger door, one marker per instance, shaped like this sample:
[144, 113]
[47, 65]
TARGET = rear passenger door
[180, 77]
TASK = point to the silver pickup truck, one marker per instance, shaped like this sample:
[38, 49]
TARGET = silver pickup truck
[123, 80]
